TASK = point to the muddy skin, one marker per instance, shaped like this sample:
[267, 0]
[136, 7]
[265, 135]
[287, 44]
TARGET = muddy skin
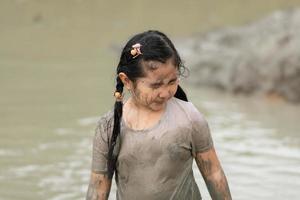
[214, 176]
[99, 187]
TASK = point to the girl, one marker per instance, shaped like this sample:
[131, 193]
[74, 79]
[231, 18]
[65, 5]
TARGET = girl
[150, 140]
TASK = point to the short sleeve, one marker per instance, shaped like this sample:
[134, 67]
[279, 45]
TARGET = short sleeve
[201, 136]
[100, 146]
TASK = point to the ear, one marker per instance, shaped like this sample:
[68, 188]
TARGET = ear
[125, 80]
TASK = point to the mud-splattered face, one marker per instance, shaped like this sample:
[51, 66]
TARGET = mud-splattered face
[157, 87]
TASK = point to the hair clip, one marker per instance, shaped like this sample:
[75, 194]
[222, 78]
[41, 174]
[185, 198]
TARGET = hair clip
[136, 50]
[118, 96]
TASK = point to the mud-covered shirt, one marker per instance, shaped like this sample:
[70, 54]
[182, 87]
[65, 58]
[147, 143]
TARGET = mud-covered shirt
[155, 163]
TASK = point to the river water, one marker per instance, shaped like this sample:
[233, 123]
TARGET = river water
[56, 79]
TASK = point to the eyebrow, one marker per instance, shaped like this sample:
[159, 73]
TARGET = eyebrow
[156, 83]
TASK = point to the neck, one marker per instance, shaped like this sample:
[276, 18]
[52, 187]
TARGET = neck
[139, 117]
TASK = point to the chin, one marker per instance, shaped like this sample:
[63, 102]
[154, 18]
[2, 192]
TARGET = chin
[158, 107]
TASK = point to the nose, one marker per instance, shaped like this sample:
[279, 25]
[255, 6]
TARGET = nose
[164, 93]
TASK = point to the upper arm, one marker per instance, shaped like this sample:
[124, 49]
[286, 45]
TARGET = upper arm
[100, 184]
[100, 151]
[201, 140]
[101, 144]
[99, 187]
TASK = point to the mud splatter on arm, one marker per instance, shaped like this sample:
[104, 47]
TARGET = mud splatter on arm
[99, 187]
[213, 175]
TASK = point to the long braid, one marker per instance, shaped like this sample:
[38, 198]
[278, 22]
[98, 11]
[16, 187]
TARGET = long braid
[118, 108]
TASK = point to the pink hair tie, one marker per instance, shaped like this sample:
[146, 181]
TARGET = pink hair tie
[136, 50]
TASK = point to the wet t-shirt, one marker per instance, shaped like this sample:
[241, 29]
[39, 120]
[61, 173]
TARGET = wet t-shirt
[155, 163]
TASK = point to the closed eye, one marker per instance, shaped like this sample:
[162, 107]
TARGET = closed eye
[155, 85]
[173, 81]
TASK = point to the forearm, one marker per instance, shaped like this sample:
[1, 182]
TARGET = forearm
[217, 186]
[99, 187]
[213, 175]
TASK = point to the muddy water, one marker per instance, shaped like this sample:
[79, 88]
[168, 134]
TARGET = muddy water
[56, 78]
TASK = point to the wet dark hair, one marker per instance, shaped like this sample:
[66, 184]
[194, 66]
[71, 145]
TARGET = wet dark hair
[155, 46]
